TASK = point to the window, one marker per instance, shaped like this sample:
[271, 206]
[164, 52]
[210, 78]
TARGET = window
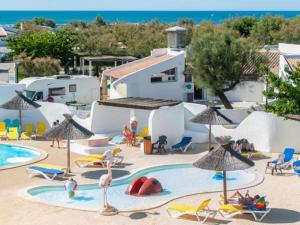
[72, 88]
[57, 91]
[38, 96]
[165, 76]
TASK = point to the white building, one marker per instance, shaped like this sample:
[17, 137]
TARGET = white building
[161, 75]
[289, 58]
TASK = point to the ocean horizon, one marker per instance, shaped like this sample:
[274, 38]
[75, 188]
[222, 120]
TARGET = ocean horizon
[9, 17]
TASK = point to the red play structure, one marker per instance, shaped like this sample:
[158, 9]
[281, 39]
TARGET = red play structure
[142, 186]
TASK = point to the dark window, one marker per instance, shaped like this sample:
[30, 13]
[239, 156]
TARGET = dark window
[57, 91]
[38, 96]
[156, 79]
[165, 76]
[72, 88]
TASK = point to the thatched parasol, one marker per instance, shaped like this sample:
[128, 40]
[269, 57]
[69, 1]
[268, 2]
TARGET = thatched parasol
[224, 158]
[20, 102]
[211, 116]
[68, 129]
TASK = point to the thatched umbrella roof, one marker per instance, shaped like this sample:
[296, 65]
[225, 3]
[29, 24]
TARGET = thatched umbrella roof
[224, 158]
[20, 102]
[68, 129]
[211, 116]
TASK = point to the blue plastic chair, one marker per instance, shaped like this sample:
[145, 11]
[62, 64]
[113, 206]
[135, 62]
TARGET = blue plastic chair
[16, 123]
[288, 156]
[183, 144]
[7, 123]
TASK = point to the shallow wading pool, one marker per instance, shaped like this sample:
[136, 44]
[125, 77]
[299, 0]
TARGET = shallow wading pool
[177, 180]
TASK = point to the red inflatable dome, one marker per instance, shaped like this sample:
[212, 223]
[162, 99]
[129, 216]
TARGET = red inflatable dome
[142, 186]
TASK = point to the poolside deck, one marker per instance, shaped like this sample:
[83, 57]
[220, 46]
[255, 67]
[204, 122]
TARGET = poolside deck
[282, 192]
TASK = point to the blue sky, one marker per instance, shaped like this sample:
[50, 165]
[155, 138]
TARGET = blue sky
[150, 5]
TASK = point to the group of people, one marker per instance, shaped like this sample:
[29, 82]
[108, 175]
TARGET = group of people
[242, 146]
[130, 133]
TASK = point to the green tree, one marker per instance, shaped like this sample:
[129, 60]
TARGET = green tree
[284, 91]
[99, 21]
[37, 44]
[217, 59]
[244, 25]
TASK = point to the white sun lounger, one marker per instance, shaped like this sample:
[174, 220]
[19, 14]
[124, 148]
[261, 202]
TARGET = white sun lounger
[47, 172]
[258, 215]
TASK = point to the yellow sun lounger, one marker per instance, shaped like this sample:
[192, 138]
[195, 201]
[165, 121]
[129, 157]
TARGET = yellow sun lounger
[13, 133]
[94, 158]
[26, 135]
[253, 154]
[3, 132]
[40, 129]
[229, 211]
[176, 211]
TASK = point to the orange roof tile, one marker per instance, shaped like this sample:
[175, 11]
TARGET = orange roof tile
[293, 61]
[124, 70]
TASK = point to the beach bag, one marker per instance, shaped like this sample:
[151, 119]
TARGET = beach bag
[260, 204]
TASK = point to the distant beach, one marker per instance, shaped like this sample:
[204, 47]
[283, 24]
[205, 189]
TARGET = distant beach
[64, 17]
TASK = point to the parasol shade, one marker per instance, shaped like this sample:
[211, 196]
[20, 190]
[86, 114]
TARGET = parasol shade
[211, 116]
[20, 102]
[68, 129]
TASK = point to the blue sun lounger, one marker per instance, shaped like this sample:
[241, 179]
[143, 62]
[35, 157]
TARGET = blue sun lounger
[282, 163]
[183, 144]
[47, 173]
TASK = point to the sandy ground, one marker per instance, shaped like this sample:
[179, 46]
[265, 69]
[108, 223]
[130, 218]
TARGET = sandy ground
[282, 191]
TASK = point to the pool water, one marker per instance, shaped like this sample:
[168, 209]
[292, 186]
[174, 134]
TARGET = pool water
[11, 155]
[177, 180]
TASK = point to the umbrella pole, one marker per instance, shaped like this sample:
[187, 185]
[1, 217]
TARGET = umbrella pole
[69, 156]
[225, 187]
[20, 116]
[209, 137]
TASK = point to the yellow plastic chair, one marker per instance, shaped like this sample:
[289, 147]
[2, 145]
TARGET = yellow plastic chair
[40, 129]
[13, 133]
[3, 132]
[143, 134]
[177, 210]
[26, 135]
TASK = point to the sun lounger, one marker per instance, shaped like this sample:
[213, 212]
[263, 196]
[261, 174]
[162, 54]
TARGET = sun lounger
[252, 154]
[40, 129]
[3, 132]
[16, 123]
[229, 211]
[143, 134]
[119, 139]
[183, 144]
[7, 123]
[48, 171]
[13, 133]
[99, 159]
[284, 161]
[177, 210]
[26, 135]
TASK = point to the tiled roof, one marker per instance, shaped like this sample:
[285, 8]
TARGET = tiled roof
[293, 61]
[272, 60]
[129, 68]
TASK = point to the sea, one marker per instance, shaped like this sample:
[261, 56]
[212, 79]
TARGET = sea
[64, 17]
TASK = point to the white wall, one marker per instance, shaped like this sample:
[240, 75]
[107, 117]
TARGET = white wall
[289, 48]
[268, 132]
[111, 120]
[168, 121]
[139, 84]
[248, 91]
[48, 112]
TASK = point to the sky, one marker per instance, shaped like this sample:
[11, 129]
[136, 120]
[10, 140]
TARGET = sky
[150, 5]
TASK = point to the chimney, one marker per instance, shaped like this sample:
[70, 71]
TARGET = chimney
[176, 37]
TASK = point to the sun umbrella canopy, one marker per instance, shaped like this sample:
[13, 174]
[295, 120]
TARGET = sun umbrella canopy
[211, 116]
[68, 129]
[223, 158]
[20, 102]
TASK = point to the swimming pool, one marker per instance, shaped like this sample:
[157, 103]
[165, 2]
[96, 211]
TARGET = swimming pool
[12, 155]
[177, 180]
